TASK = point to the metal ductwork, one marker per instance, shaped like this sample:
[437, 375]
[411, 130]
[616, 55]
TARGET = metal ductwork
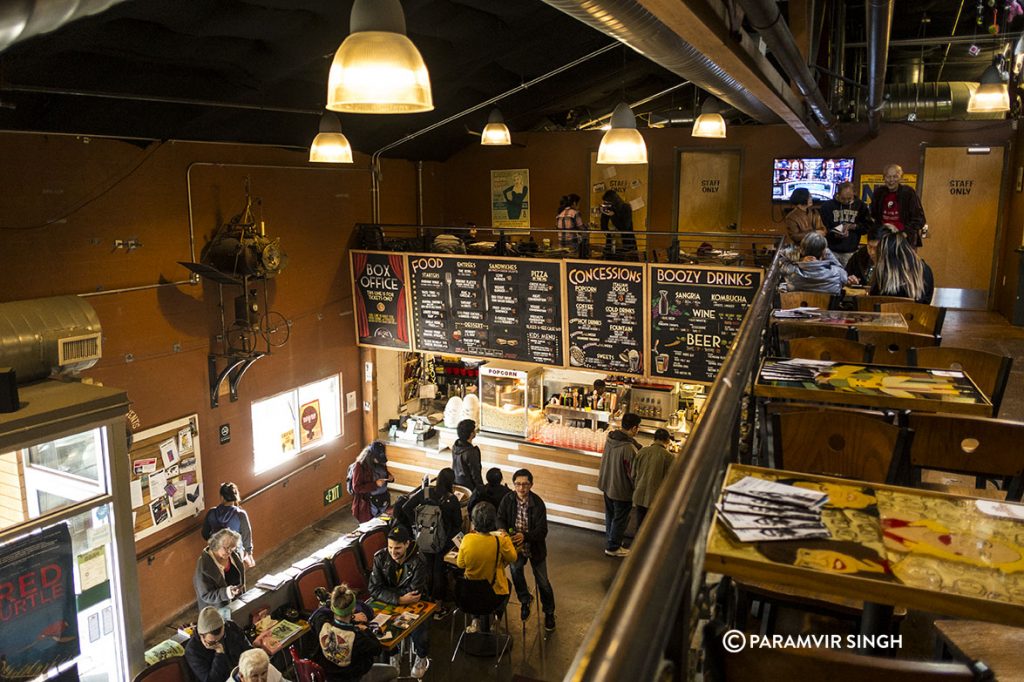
[879, 23]
[945, 101]
[21, 19]
[45, 336]
[628, 22]
[764, 16]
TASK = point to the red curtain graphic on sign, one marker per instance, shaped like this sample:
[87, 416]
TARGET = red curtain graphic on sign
[362, 323]
[400, 315]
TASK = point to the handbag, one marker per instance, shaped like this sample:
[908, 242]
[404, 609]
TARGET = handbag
[479, 593]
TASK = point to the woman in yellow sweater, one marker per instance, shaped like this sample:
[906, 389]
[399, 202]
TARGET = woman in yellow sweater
[484, 554]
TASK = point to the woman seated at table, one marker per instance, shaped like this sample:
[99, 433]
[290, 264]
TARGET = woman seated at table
[900, 271]
[347, 647]
[483, 555]
[817, 270]
[254, 666]
[220, 572]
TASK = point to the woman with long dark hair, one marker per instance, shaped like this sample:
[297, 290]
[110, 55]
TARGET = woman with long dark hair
[370, 480]
[899, 271]
[569, 222]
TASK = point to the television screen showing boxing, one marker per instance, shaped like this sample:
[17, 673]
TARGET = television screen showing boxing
[820, 177]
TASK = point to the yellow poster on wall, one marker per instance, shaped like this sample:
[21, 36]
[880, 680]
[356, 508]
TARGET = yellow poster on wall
[869, 181]
[510, 204]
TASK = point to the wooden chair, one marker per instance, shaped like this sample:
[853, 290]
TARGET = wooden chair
[173, 669]
[771, 664]
[841, 443]
[826, 348]
[371, 542]
[891, 347]
[805, 299]
[348, 568]
[968, 445]
[866, 304]
[304, 584]
[991, 372]
[921, 318]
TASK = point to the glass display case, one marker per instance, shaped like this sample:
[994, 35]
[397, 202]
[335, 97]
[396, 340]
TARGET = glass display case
[506, 394]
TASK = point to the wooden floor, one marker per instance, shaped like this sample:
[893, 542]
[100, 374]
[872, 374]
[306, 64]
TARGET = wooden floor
[991, 332]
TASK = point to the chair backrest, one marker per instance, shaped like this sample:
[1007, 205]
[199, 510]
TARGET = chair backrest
[840, 443]
[306, 582]
[826, 348]
[476, 597]
[348, 568]
[990, 371]
[371, 542]
[866, 304]
[969, 445]
[305, 669]
[785, 331]
[173, 669]
[891, 347]
[921, 318]
[804, 299]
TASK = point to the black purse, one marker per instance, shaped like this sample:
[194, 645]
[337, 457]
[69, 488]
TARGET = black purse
[479, 594]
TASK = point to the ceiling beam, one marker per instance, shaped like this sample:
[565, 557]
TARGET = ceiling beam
[707, 28]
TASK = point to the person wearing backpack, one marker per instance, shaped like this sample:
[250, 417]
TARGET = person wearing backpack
[368, 482]
[437, 519]
[466, 457]
[229, 515]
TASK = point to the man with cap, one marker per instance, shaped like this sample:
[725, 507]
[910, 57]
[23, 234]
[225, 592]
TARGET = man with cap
[215, 647]
[400, 577]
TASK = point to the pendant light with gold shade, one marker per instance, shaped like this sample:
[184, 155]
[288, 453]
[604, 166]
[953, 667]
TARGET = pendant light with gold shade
[992, 95]
[710, 123]
[330, 145]
[622, 144]
[377, 69]
[496, 132]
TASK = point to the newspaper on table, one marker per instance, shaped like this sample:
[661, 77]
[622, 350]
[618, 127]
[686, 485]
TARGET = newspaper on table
[758, 510]
[801, 313]
[794, 370]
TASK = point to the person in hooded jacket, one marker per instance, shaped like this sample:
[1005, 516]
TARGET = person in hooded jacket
[229, 515]
[370, 480]
[494, 491]
[615, 480]
[817, 270]
[466, 457]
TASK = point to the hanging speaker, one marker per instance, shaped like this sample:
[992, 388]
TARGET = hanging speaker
[8, 390]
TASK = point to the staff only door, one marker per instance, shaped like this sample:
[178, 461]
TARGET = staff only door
[962, 192]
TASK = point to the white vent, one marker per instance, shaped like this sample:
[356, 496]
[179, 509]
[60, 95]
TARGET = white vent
[75, 349]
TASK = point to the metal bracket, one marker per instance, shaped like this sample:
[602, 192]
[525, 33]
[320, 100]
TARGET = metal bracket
[233, 372]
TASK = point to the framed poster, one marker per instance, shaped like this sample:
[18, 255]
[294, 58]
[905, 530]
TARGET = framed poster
[630, 182]
[510, 203]
[708, 191]
[381, 300]
[166, 490]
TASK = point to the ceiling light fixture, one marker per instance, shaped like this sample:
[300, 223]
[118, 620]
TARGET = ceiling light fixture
[330, 146]
[623, 142]
[377, 69]
[710, 123]
[992, 95]
[496, 132]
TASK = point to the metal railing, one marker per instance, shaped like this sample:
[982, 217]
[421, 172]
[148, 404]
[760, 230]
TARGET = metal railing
[648, 615]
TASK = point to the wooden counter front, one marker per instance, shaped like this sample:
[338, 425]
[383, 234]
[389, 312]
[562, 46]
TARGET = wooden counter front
[565, 479]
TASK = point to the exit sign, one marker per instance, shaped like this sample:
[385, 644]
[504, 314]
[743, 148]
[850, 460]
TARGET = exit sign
[332, 494]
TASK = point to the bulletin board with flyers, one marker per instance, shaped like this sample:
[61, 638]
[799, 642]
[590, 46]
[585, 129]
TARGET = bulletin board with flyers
[166, 476]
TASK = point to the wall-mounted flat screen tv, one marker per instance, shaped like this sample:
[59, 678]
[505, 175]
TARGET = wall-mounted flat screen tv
[819, 176]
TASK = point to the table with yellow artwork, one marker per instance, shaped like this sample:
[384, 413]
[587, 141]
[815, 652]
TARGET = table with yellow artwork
[862, 320]
[889, 545]
[879, 386]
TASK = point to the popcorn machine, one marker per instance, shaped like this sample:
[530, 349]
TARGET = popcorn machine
[506, 394]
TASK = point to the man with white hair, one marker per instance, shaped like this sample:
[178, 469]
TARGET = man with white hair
[898, 205]
[254, 666]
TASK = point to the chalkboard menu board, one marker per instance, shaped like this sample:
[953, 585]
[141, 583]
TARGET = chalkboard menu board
[605, 308]
[381, 300]
[488, 307]
[696, 311]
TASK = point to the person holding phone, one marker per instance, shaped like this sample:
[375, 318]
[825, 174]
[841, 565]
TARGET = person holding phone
[220, 572]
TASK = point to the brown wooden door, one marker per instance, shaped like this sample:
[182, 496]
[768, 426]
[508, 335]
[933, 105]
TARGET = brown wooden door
[961, 196]
[709, 191]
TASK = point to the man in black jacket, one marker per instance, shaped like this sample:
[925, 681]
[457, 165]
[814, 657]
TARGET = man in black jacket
[399, 576]
[898, 205]
[620, 214]
[846, 218]
[215, 647]
[466, 457]
[494, 491]
[526, 518]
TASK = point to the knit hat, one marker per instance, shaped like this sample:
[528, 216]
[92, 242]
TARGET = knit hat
[210, 620]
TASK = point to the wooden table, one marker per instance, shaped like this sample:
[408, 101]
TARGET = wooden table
[280, 635]
[890, 545]
[997, 646]
[864, 321]
[883, 387]
[423, 609]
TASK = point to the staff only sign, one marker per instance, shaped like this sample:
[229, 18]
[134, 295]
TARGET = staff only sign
[378, 287]
[38, 621]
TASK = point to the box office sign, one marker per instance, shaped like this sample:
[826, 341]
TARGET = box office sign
[381, 300]
[38, 620]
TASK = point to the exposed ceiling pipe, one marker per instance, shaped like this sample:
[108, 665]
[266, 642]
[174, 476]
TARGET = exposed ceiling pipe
[765, 18]
[21, 19]
[633, 25]
[879, 23]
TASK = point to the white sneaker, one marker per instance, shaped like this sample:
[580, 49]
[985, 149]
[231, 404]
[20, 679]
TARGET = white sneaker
[419, 667]
[620, 552]
[474, 626]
